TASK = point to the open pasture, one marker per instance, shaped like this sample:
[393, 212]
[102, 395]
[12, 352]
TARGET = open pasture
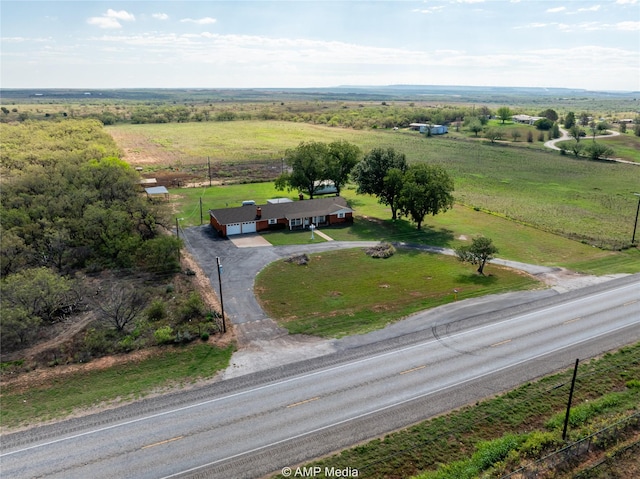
[576, 198]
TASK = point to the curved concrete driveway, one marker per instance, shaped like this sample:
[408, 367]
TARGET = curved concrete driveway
[264, 344]
[565, 136]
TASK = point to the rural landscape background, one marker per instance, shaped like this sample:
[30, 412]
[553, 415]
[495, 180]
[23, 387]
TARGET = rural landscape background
[79, 235]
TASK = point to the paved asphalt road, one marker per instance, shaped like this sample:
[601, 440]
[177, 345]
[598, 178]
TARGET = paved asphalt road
[258, 423]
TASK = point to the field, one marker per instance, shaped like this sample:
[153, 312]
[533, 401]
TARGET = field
[584, 200]
[331, 297]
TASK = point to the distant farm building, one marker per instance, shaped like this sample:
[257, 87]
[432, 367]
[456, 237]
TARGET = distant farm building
[432, 129]
[526, 119]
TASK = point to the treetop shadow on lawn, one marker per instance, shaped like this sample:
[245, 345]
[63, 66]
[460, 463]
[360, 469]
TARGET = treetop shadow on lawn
[475, 278]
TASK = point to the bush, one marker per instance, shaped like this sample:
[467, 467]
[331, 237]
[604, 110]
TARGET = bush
[383, 250]
[204, 336]
[163, 335]
[301, 259]
[489, 453]
[157, 311]
[192, 308]
[160, 255]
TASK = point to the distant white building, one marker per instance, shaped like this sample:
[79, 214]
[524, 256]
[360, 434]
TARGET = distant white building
[526, 119]
[434, 129]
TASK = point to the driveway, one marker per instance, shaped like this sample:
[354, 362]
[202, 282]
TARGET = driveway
[264, 344]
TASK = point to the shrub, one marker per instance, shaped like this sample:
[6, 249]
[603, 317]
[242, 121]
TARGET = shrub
[204, 336]
[160, 255]
[192, 308]
[157, 310]
[382, 250]
[300, 259]
[489, 453]
[163, 335]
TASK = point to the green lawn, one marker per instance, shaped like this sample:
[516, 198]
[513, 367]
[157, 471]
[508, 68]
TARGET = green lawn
[331, 297]
[179, 365]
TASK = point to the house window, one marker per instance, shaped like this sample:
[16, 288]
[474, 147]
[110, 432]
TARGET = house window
[319, 219]
[273, 221]
[296, 222]
[341, 215]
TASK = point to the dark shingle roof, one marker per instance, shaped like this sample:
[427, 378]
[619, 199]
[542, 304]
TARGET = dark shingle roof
[295, 209]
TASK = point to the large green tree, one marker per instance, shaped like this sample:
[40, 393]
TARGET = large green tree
[426, 189]
[569, 120]
[342, 157]
[371, 175]
[504, 113]
[307, 168]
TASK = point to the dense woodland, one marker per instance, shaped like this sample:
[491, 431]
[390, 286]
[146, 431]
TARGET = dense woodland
[78, 236]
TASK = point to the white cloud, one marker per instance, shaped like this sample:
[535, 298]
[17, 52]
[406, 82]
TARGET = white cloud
[199, 21]
[160, 16]
[628, 26]
[556, 9]
[534, 25]
[111, 19]
[626, 2]
[470, 1]
[595, 8]
[120, 15]
[429, 10]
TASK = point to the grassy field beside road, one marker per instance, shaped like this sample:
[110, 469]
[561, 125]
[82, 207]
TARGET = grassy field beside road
[92, 387]
[331, 297]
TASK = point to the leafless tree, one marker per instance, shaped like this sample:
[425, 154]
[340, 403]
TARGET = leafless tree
[120, 304]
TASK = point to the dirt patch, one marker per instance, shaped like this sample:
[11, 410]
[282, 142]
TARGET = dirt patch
[563, 280]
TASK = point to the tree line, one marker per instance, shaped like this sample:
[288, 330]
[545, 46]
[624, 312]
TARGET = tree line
[412, 190]
[69, 205]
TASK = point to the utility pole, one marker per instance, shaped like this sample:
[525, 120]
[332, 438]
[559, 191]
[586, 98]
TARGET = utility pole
[566, 417]
[224, 326]
[635, 225]
[177, 229]
[201, 210]
[209, 169]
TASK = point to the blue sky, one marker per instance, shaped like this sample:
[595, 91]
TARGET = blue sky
[321, 43]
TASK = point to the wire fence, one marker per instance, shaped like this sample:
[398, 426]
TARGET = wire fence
[568, 457]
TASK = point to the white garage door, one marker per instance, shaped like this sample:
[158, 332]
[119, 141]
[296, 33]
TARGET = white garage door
[249, 227]
[233, 229]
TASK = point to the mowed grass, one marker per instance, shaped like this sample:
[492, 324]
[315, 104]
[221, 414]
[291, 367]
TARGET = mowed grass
[456, 227]
[331, 297]
[585, 200]
[72, 392]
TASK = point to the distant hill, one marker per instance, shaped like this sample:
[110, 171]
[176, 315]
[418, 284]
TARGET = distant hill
[344, 92]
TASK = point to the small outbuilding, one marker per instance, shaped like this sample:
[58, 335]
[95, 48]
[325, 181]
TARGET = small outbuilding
[157, 191]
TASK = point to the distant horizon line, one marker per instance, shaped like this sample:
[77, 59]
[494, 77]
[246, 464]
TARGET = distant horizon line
[386, 86]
